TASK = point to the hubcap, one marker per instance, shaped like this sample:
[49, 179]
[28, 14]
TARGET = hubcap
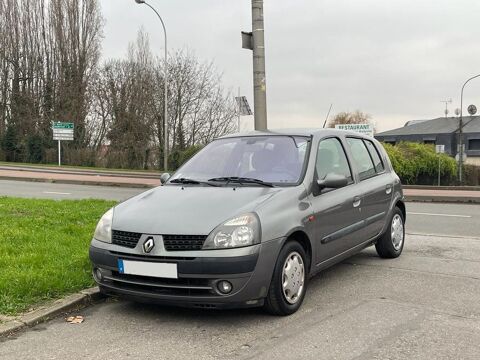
[397, 232]
[293, 278]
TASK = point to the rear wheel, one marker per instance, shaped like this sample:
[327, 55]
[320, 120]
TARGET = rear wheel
[390, 244]
[289, 282]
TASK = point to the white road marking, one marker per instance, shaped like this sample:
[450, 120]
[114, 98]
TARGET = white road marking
[445, 215]
[56, 193]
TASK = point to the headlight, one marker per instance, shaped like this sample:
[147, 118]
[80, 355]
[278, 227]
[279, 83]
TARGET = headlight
[240, 231]
[103, 232]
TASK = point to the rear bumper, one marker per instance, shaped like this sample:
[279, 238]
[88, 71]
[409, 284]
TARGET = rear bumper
[198, 277]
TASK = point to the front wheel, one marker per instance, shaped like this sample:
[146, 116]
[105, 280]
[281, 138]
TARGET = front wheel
[390, 244]
[289, 282]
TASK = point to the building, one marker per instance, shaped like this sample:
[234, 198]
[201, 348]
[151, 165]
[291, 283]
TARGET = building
[441, 131]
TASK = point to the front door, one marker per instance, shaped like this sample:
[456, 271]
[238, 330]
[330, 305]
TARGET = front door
[337, 220]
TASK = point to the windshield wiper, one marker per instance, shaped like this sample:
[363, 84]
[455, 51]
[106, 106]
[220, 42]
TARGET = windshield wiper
[241, 181]
[185, 181]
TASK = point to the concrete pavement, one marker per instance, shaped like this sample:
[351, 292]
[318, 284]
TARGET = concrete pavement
[424, 305]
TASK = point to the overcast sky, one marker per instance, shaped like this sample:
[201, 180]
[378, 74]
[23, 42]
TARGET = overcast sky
[395, 59]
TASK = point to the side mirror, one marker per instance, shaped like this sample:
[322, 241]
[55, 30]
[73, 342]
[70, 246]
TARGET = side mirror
[164, 178]
[333, 181]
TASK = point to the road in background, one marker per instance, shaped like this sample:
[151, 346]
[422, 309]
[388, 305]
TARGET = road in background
[423, 305]
[42, 190]
[422, 218]
[443, 219]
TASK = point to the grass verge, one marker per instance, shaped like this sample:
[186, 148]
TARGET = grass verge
[44, 249]
[85, 168]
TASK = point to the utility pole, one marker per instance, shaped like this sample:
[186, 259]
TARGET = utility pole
[446, 102]
[460, 132]
[256, 41]
[165, 87]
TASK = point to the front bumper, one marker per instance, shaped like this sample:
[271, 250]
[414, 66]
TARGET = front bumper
[250, 275]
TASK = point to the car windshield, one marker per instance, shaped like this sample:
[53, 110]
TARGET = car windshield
[276, 160]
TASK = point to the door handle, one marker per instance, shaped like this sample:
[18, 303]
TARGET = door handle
[389, 189]
[356, 201]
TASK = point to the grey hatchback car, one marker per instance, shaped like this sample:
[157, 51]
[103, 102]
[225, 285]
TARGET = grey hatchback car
[249, 219]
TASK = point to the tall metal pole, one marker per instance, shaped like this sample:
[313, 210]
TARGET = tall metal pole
[165, 88]
[59, 153]
[460, 132]
[259, 75]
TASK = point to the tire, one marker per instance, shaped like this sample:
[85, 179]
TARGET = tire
[390, 244]
[282, 301]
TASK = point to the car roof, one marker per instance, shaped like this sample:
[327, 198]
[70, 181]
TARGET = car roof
[316, 132]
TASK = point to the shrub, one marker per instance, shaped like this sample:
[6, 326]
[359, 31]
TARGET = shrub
[417, 163]
[35, 149]
[179, 157]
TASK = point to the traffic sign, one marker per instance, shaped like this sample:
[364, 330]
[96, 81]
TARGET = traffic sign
[440, 149]
[62, 125]
[464, 157]
[472, 110]
[365, 129]
[62, 138]
[62, 131]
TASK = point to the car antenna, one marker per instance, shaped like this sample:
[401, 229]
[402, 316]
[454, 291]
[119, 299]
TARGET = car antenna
[328, 114]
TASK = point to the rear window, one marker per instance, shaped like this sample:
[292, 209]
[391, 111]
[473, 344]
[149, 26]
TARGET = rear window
[377, 160]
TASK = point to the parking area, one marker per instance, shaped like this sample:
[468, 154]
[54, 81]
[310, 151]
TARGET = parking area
[424, 305]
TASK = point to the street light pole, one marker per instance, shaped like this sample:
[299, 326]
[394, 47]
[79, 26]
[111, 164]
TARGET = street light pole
[165, 77]
[259, 73]
[460, 132]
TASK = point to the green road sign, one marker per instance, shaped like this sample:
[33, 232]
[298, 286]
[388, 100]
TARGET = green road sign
[62, 125]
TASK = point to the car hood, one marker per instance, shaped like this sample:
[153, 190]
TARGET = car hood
[187, 210]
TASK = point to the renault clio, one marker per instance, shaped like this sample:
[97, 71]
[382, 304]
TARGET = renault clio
[249, 219]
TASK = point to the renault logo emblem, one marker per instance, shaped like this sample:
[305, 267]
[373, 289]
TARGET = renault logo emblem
[148, 245]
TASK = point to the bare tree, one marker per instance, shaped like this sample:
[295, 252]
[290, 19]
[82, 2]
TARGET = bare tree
[356, 117]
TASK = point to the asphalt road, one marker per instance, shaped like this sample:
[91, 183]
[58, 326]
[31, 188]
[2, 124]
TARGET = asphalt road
[423, 305]
[423, 218]
[43, 190]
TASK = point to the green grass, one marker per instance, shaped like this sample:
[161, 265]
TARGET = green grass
[44, 249]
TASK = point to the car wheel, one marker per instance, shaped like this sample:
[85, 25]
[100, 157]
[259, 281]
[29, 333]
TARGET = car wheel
[289, 282]
[390, 244]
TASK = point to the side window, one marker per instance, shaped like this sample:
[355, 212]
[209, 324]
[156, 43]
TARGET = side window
[362, 158]
[377, 161]
[331, 158]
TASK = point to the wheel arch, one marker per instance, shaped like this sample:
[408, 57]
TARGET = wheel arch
[401, 205]
[301, 237]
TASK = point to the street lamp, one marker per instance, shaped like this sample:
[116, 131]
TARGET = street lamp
[460, 132]
[165, 129]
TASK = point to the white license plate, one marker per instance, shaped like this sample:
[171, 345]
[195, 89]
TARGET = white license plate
[142, 268]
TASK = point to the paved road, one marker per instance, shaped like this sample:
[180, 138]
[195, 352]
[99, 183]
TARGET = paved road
[424, 305]
[423, 218]
[65, 191]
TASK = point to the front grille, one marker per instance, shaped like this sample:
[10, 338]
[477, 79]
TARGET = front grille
[170, 242]
[127, 239]
[183, 242]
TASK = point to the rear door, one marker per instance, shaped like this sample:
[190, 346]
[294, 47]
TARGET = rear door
[337, 219]
[375, 184]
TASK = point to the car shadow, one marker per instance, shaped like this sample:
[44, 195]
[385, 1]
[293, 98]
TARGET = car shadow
[337, 274]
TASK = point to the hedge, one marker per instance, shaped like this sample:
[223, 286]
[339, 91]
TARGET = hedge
[417, 164]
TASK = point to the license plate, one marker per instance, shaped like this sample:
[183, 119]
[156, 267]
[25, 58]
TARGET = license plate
[142, 268]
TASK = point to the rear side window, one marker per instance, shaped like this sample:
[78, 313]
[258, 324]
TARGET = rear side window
[377, 160]
[362, 158]
[331, 158]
